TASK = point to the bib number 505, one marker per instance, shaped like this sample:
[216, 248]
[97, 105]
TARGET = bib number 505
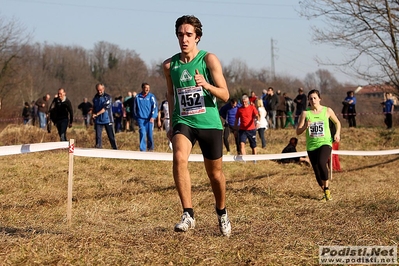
[316, 128]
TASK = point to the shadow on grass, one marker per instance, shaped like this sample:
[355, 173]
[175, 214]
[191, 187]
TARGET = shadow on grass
[25, 232]
[371, 165]
[308, 195]
[249, 178]
[150, 188]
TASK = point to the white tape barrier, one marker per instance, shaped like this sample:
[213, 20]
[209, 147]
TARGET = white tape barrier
[366, 153]
[157, 156]
[26, 148]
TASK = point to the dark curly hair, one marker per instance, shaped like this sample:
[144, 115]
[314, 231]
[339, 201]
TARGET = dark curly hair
[191, 20]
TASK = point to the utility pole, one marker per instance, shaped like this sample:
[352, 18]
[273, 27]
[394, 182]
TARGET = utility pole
[273, 56]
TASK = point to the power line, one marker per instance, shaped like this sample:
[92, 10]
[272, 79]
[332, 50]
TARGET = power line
[230, 3]
[167, 12]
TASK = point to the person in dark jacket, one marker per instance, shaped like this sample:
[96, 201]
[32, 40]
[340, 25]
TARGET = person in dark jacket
[61, 113]
[42, 109]
[117, 112]
[301, 104]
[349, 108]
[272, 103]
[102, 116]
[228, 114]
[33, 114]
[291, 147]
[86, 107]
[280, 108]
[26, 113]
[129, 104]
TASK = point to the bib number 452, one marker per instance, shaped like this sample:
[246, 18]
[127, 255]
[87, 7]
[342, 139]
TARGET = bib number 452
[190, 99]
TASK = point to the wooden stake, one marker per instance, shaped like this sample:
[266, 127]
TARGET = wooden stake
[70, 180]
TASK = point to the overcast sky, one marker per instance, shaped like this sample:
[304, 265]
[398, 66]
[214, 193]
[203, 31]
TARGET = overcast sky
[236, 29]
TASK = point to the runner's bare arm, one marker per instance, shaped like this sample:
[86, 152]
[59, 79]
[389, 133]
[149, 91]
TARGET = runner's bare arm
[220, 89]
[302, 124]
[170, 95]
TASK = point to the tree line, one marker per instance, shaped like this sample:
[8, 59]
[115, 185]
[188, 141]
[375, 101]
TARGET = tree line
[30, 70]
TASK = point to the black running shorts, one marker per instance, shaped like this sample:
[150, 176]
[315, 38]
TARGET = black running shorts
[209, 140]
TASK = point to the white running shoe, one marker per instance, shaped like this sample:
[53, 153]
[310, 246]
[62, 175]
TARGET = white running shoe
[224, 225]
[185, 224]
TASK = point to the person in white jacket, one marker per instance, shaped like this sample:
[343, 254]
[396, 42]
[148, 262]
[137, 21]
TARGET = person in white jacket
[261, 124]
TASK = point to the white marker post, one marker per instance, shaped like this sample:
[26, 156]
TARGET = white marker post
[70, 180]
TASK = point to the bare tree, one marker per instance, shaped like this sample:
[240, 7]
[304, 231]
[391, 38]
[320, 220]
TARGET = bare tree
[128, 74]
[321, 80]
[45, 68]
[367, 28]
[13, 37]
[262, 75]
[237, 71]
[311, 81]
[326, 80]
[121, 70]
[105, 57]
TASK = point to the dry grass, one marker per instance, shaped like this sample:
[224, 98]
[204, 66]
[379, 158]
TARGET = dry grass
[124, 211]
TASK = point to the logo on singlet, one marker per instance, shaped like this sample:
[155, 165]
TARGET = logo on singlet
[185, 76]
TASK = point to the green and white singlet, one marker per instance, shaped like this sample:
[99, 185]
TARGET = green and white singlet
[318, 133]
[194, 106]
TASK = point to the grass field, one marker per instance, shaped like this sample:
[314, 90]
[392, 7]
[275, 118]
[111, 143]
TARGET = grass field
[124, 210]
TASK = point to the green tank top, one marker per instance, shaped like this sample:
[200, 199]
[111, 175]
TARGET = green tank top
[318, 133]
[194, 106]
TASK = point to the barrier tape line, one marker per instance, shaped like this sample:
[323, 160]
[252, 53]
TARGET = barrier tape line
[36, 147]
[163, 156]
[157, 156]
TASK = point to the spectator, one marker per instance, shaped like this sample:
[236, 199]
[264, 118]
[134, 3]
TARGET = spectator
[123, 123]
[86, 108]
[26, 112]
[33, 114]
[42, 110]
[261, 124]
[145, 112]
[162, 111]
[272, 103]
[388, 109]
[130, 103]
[291, 147]
[194, 74]
[246, 116]
[117, 112]
[289, 110]
[301, 104]
[61, 113]
[349, 109]
[164, 117]
[49, 115]
[280, 110]
[315, 121]
[228, 114]
[128, 122]
[264, 98]
[253, 98]
[102, 116]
